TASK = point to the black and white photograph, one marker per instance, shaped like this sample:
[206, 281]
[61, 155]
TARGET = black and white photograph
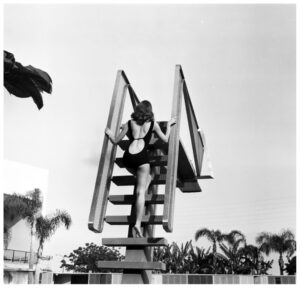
[149, 143]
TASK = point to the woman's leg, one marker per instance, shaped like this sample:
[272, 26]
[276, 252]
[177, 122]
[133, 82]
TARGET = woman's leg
[149, 180]
[143, 173]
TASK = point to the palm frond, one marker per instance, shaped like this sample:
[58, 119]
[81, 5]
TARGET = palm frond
[16, 203]
[220, 256]
[46, 226]
[204, 232]
[266, 248]
[263, 237]
[225, 250]
[237, 243]
[287, 235]
[233, 236]
[25, 81]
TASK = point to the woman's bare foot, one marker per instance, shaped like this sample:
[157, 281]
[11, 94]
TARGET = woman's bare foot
[138, 232]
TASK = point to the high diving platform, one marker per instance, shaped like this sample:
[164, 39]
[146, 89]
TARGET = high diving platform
[170, 166]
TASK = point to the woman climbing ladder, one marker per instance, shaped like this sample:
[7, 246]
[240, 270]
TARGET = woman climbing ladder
[136, 157]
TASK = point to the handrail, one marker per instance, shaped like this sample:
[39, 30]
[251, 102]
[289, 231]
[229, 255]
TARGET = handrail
[173, 150]
[18, 256]
[108, 153]
[198, 145]
[134, 99]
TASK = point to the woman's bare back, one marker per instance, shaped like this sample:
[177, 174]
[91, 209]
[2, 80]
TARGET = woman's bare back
[138, 131]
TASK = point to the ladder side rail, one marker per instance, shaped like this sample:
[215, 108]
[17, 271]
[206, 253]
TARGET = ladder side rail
[197, 143]
[134, 99]
[185, 91]
[171, 178]
[108, 153]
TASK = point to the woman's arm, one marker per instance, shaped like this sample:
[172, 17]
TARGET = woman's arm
[118, 138]
[160, 134]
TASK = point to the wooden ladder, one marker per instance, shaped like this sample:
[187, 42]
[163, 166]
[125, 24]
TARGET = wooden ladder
[170, 166]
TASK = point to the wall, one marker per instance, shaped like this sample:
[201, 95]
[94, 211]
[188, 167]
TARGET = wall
[115, 278]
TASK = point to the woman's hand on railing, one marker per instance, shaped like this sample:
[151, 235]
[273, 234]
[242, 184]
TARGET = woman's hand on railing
[109, 133]
[172, 121]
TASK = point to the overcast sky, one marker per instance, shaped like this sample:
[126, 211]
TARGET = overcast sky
[239, 64]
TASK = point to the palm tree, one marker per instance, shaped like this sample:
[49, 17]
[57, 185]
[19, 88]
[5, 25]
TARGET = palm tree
[164, 254]
[281, 243]
[233, 254]
[182, 257]
[27, 207]
[201, 261]
[178, 259]
[234, 236]
[46, 227]
[34, 206]
[175, 257]
[214, 236]
[253, 261]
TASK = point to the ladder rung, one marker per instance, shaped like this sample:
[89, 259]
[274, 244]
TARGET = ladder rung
[126, 220]
[150, 241]
[154, 161]
[131, 265]
[188, 186]
[126, 180]
[130, 199]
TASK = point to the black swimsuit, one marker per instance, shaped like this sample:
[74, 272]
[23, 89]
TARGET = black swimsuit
[133, 161]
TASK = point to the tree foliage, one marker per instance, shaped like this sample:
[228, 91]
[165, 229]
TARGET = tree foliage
[84, 259]
[22, 207]
[29, 207]
[25, 81]
[281, 243]
[47, 225]
[290, 267]
[228, 254]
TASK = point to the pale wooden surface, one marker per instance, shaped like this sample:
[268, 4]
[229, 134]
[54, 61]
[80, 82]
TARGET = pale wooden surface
[130, 199]
[127, 180]
[125, 220]
[147, 241]
[173, 149]
[131, 265]
[108, 153]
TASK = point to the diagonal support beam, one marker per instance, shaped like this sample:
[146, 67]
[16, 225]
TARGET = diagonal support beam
[198, 147]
